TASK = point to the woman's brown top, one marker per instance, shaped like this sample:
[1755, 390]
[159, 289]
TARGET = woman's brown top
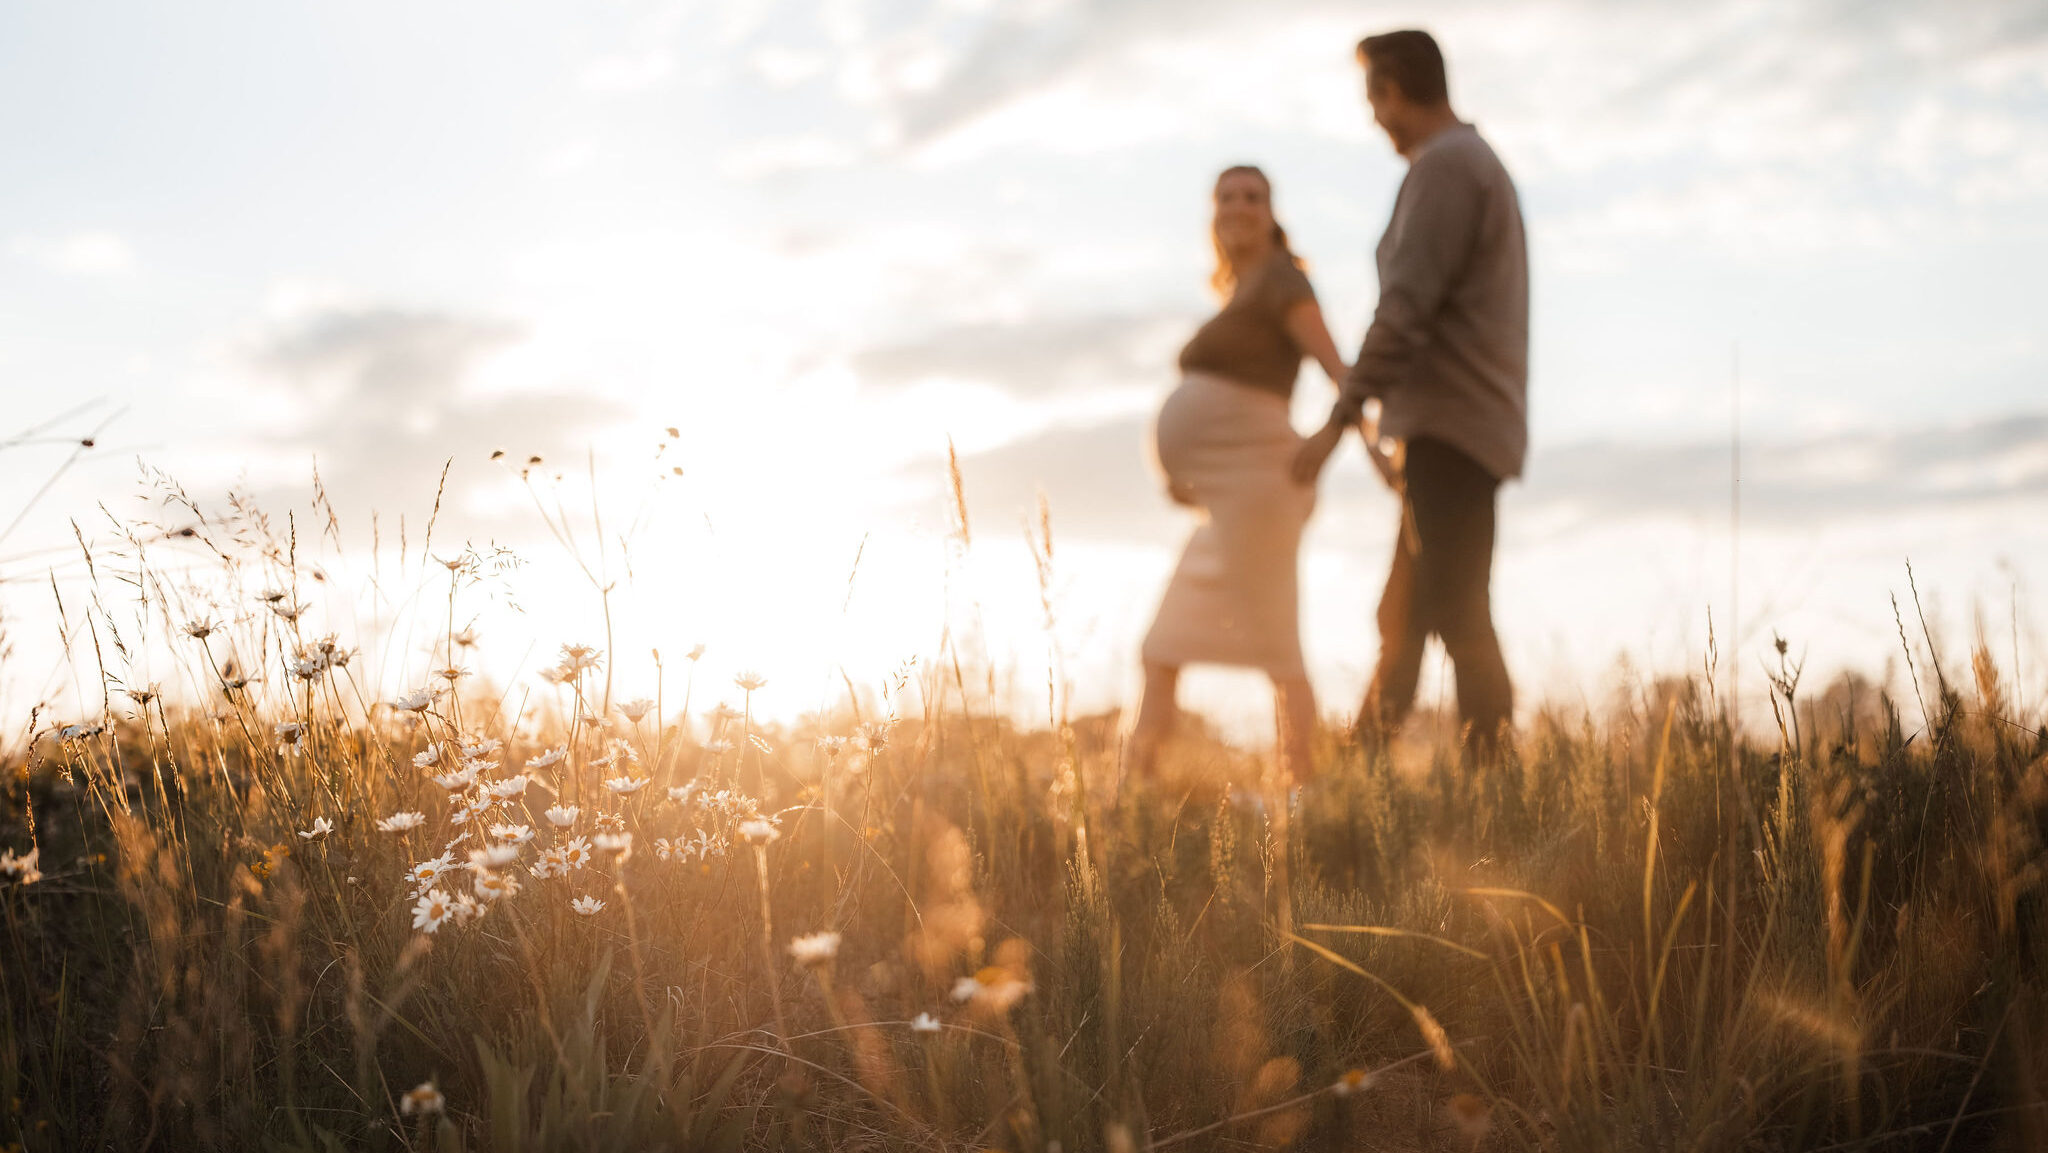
[1247, 341]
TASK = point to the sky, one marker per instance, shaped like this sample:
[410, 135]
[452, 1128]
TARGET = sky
[826, 241]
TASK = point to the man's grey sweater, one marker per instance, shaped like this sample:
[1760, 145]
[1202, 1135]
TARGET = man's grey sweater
[1448, 351]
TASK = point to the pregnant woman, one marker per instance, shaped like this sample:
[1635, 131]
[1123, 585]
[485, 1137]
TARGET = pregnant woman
[1225, 443]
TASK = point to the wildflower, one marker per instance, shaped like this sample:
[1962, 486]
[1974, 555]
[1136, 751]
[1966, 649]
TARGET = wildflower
[832, 746]
[452, 673]
[289, 613]
[814, 949]
[308, 668]
[695, 654]
[636, 710]
[432, 910]
[426, 873]
[464, 639]
[578, 659]
[547, 759]
[480, 747]
[759, 830]
[667, 850]
[321, 827]
[466, 909]
[462, 812]
[1469, 1112]
[874, 737]
[415, 702]
[613, 842]
[401, 822]
[492, 886]
[458, 779]
[576, 853]
[428, 757]
[994, 988]
[513, 834]
[493, 856]
[22, 867]
[551, 863]
[561, 816]
[200, 629]
[272, 596]
[750, 682]
[508, 788]
[723, 715]
[588, 906]
[624, 785]
[80, 732]
[422, 1099]
[1353, 1081]
[683, 794]
[925, 1023]
[610, 823]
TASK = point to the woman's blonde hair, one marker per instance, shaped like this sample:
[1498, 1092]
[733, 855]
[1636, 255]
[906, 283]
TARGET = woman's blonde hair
[1224, 277]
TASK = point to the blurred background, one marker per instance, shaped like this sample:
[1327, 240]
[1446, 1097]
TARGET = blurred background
[823, 240]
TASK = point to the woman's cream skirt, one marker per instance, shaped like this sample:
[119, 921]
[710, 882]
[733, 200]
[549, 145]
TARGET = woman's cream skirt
[1233, 599]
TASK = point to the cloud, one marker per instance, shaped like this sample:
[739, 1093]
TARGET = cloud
[1036, 358]
[384, 394]
[636, 72]
[86, 254]
[1101, 484]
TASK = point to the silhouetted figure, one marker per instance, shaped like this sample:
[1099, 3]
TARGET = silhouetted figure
[1447, 358]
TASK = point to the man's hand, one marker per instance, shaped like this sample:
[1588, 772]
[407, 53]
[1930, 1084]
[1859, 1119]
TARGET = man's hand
[1315, 452]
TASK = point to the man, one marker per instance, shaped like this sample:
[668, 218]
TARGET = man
[1447, 358]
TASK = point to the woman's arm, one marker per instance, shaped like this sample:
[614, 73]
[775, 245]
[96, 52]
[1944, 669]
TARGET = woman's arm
[1311, 335]
[1305, 324]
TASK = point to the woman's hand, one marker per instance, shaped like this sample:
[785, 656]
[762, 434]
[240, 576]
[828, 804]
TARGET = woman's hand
[1315, 452]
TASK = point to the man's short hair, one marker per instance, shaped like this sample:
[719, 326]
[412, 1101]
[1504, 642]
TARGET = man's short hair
[1411, 60]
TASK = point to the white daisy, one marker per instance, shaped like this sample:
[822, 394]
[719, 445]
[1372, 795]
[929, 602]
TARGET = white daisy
[493, 856]
[551, 863]
[635, 710]
[424, 874]
[561, 816]
[427, 758]
[925, 1023]
[401, 822]
[624, 785]
[610, 823]
[432, 910]
[588, 906]
[759, 830]
[513, 834]
[508, 788]
[496, 886]
[457, 779]
[576, 853]
[321, 828]
[422, 1099]
[547, 759]
[613, 842]
[415, 702]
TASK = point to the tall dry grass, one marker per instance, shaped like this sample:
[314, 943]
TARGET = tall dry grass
[1634, 932]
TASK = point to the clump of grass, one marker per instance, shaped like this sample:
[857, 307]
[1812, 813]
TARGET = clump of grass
[263, 899]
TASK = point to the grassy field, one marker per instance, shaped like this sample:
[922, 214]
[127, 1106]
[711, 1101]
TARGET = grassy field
[635, 925]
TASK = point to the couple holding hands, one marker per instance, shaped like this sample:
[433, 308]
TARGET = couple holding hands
[1444, 364]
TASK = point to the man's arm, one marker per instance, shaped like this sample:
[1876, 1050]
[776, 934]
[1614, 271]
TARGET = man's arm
[1432, 233]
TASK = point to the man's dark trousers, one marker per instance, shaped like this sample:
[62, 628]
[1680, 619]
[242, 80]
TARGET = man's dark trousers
[1440, 584]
